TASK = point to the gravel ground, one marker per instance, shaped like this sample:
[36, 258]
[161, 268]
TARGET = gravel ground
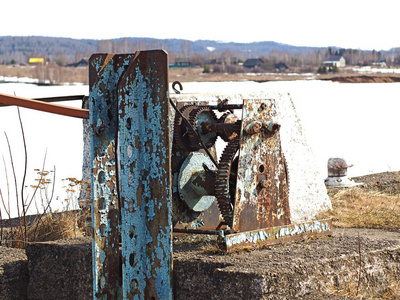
[344, 241]
[387, 182]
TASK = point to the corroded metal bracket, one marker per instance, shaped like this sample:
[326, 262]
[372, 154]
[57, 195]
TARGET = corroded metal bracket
[44, 105]
[130, 153]
[274, 235]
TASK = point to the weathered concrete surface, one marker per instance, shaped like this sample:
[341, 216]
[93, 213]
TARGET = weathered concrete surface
[310, 269]
[60, 270]
[84, 195]
[13, 274]
[307, 269]
[307, 192]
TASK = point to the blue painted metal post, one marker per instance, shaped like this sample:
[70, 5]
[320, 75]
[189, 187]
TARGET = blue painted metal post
[104, 73]
[145, 178]
[130, 187]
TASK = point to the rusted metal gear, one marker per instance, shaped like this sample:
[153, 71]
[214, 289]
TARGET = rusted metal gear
[198, 116]
[229, 118]
[181, 136]
[224, 182]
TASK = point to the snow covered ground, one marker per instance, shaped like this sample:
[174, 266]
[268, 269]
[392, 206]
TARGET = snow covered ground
[358, 122]
[369, 69]
[60, 136]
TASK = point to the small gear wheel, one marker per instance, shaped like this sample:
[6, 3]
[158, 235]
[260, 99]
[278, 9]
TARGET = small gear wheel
[197, 116]
[228, 118]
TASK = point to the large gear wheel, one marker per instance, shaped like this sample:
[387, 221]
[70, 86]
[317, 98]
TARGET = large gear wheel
[226, 177]
[181, 134]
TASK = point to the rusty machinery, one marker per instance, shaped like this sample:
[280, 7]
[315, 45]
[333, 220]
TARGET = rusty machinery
[247, 189]
[244, 196]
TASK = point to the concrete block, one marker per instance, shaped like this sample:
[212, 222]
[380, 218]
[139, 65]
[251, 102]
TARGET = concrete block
[310, 269]
[13, 274]
[60, 270]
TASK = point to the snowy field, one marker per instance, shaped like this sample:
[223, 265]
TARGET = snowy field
[358, 122]
[60, 136]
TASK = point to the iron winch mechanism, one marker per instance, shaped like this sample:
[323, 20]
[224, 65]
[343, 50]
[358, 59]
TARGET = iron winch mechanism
[247, 188]
[242, 196]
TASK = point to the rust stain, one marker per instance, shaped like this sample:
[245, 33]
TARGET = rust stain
[145, 170]
[262, 192]
[107, 259]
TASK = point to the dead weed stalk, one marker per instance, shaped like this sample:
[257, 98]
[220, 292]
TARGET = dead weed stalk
[46, 225]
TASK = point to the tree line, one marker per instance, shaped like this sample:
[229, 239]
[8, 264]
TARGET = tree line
[226, 57]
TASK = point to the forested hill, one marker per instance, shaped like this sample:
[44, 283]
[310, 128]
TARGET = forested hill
[65, 50]
[21, 48]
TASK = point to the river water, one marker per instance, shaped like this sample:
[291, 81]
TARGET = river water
[358, 122]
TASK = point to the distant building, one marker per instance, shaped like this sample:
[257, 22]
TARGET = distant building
[82, 63]
[251, 63]
[335, 61]
[182, 62]
[281, 67]
[36, 60]
[381, 63]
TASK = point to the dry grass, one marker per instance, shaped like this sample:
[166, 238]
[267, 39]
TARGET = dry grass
[211, 248]
[355, 207]
[53, 227]
[49, 227]
[365, 291]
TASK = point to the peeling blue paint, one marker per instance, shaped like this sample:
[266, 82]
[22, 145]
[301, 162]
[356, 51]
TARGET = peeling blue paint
[274, 234]
[145, 171]
[129, 94]
[105, 71]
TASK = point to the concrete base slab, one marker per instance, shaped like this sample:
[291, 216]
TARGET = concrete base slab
[13, 274]
[308, 269]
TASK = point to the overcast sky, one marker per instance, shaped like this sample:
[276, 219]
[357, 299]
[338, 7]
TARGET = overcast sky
[353, 24]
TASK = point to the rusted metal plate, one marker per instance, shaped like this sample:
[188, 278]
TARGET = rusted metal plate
[275, 235]
[262, 191]
[44, 106]
[104, 74]
[144, 144]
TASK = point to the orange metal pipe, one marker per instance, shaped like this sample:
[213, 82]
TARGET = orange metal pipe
[45, 106]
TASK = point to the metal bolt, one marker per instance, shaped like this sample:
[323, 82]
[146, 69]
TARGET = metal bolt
[270, 126]
[100, 127]
[253, 127]
[264, 183]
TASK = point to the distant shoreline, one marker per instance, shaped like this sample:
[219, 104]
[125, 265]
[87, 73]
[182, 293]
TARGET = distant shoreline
[197, 75]
[67, 75]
